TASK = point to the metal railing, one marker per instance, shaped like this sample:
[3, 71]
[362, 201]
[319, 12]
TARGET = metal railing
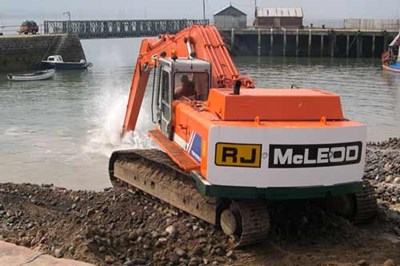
[91, 29]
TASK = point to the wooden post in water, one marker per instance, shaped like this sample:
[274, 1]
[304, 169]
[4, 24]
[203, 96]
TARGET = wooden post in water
[359, 45]
[259, 43]
[232, 37]
[284, 42]
[385, 40]
[373, 46]
[309, 43]
[297, 43]
[271, 48]
[333, 43]
[322, 45]
[347, 45]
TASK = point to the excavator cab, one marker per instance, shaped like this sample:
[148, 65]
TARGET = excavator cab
[169, 74]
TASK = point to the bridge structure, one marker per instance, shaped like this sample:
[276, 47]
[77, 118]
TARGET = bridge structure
[99, 29]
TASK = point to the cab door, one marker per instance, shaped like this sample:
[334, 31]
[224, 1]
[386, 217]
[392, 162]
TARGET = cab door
[165, 101]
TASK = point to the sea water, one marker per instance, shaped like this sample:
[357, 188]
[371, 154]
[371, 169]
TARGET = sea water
[62, 131]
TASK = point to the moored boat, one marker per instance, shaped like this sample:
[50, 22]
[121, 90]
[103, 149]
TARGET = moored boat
[56, 61]
[394, 67]
[391, 62]
[37, 75]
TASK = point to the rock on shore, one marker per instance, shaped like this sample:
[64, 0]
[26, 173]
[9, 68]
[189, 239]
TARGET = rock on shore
[383, 169]
[107, 227]
[117, 228]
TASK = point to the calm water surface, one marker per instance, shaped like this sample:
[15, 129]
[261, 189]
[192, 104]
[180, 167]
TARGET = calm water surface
[62, 131]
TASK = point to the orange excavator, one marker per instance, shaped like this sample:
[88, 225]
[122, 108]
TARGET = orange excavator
[230, 148]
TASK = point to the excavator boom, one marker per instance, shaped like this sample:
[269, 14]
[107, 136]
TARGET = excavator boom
[199, 41]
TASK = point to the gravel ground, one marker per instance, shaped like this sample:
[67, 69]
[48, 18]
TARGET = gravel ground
[383, 169]
[117, 228]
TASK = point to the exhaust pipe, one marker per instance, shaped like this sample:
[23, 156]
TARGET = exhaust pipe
[236, 87]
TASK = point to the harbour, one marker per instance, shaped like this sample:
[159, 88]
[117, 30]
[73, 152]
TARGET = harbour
[75, 119]
[138, 140]
[24, 52]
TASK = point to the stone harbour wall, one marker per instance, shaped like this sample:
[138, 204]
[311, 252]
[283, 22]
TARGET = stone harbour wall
[23, 52]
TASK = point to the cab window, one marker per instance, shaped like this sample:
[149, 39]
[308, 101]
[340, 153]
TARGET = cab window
[194, 86]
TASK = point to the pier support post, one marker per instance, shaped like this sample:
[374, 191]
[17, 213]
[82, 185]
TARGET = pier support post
[347, 45]
[322, 45]
[232, 38]
[284, 42]
[297, 42]
[333, 43]
[259, 43]
[373, 46]
[359, 45]
[271, 48]
[385, 40]
[309, 43]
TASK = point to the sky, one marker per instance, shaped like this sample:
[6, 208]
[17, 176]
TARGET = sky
[178, 9]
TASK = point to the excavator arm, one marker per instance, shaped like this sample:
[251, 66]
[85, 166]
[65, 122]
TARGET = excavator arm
[199, 41]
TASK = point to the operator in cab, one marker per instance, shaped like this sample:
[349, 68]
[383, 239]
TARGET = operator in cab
[186, 89]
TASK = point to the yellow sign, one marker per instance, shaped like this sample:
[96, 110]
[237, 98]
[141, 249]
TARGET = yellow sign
[238, 155]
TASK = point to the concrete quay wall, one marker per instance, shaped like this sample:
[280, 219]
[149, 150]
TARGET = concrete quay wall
[23, 52]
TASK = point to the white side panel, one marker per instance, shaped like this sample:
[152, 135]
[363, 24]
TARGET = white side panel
[300, 170]
[180, 141]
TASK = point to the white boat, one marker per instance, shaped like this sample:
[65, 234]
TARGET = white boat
[37, 75]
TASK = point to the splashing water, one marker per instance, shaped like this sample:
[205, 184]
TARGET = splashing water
[107, 120]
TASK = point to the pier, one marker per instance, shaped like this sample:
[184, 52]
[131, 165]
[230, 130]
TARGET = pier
[304, 42]
[309, 42]
[92, 29]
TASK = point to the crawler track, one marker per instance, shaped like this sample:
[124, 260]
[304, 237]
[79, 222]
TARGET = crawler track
[366, 205]
[359, 208]
[153, 172]
[254, 221]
